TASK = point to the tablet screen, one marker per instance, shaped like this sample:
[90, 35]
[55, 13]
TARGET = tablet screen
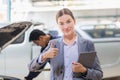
[87, 58]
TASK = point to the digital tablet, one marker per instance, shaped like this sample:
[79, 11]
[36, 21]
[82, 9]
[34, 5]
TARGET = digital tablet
[87, 58]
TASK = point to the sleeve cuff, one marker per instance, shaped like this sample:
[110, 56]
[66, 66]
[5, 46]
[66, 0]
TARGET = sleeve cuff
[84, 74]
[39, 60]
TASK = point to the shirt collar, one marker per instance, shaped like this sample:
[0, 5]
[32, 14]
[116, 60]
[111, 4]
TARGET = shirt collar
[74, 42]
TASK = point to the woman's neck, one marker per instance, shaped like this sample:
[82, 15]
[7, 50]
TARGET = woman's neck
[70, 39]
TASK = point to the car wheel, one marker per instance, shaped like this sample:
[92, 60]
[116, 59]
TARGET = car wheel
[8, 78]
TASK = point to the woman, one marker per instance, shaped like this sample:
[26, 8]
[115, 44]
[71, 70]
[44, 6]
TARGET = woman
[63, 53]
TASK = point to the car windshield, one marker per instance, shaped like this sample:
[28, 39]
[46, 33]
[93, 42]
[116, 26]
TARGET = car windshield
[102, 30]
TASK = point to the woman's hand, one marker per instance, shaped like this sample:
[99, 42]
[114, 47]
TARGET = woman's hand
[50, 53]
[77, 67]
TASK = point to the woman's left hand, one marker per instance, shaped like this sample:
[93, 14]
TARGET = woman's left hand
[77, 67]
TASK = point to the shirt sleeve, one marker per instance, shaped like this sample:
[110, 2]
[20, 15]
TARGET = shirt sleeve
[39, 59]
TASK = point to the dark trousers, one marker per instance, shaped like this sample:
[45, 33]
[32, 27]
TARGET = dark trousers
[32, 75]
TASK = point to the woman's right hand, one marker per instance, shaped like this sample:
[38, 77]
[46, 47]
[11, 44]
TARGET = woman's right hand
[50, 53]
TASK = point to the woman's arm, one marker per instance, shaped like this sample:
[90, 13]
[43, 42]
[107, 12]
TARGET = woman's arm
[42, 59]
[94, 73]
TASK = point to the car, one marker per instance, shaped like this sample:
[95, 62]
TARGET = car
[106, 38]
[15, 57]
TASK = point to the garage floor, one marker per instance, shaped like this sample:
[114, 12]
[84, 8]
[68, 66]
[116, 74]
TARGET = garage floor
[114, 78]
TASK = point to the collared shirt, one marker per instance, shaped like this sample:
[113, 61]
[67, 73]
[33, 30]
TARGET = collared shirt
[70, 55]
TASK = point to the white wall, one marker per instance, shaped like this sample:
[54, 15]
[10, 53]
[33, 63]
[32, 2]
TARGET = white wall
[48, 17]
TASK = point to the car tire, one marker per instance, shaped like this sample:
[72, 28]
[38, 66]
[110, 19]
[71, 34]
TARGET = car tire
[8, 78]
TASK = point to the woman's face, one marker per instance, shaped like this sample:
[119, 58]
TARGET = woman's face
[66, 24]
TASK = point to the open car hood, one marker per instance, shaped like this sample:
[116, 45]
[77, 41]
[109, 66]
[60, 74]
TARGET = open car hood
[11, 32]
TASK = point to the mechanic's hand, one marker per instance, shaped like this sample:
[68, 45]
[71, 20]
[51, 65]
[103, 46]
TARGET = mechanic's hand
[77, 67]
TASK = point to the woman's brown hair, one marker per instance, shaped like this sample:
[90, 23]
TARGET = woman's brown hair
[64, 11]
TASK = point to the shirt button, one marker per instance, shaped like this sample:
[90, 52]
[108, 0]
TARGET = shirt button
[66, 56]
[67, 66]
[66, 77]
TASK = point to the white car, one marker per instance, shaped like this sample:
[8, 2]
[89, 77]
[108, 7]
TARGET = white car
[15, 57]
[106, 38]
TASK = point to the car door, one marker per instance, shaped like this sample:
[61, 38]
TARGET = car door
[106, 38]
